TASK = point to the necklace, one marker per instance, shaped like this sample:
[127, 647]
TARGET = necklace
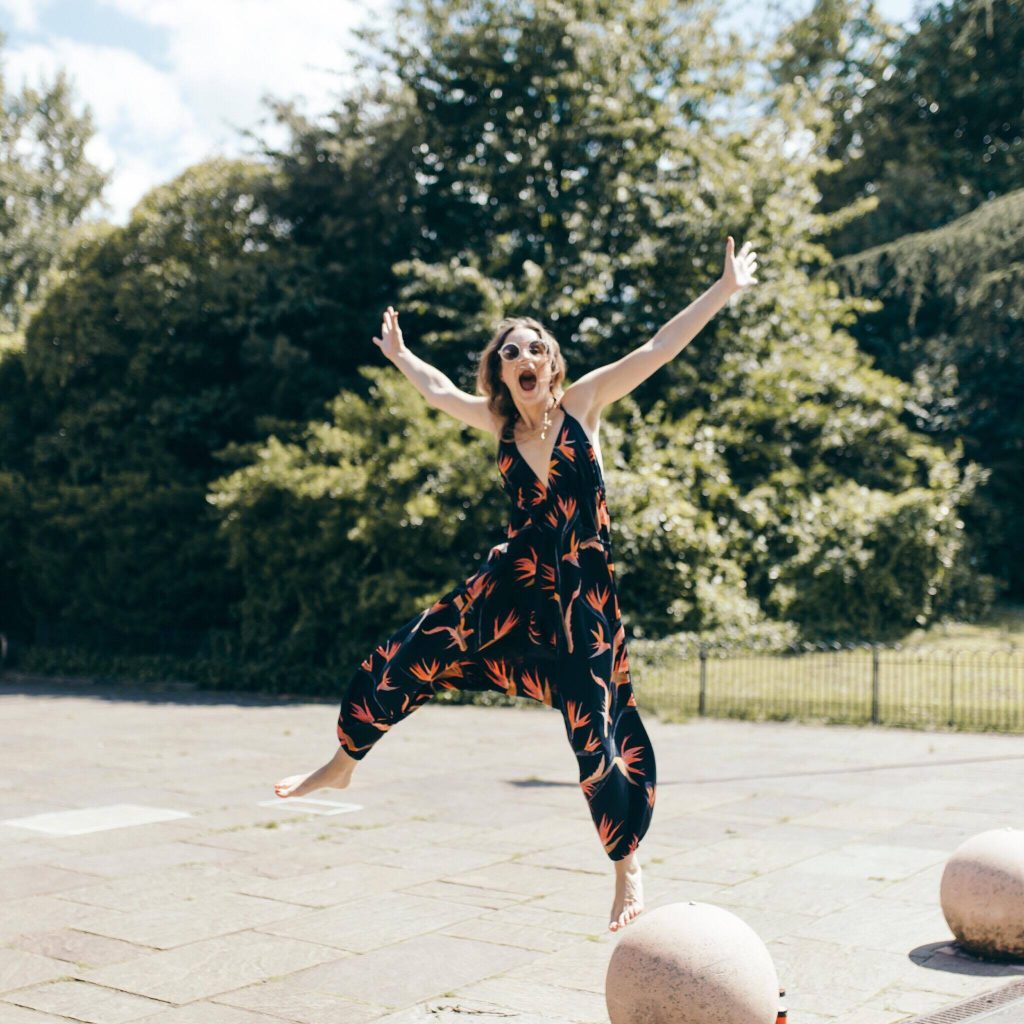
[545, 425]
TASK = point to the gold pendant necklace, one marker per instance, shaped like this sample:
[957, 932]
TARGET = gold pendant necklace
[547, 423]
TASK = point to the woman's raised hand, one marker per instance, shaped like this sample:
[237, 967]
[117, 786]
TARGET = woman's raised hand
[390, 342]
[740, 268]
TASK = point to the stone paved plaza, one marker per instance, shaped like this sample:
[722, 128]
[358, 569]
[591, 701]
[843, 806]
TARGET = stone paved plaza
[151, 875]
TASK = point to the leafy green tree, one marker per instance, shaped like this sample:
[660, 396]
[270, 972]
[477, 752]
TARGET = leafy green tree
[951, 323]
[48, 184]
[144, 361]
[927, 124]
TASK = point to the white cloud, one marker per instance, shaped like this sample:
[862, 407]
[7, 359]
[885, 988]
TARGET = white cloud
[220, 60]
[145, 130]
[227, 55]
[24, 13]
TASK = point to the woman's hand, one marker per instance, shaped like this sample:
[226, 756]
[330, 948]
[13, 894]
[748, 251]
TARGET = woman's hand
[738, 272]
[498, 549]
[390, 342]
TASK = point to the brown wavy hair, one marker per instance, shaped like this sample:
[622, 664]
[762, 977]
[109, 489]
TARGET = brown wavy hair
[488, 372]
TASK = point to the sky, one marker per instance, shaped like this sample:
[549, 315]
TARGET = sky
[172, 82]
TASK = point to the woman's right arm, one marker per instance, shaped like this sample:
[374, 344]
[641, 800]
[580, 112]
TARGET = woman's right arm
[427, 379]
[436, 387]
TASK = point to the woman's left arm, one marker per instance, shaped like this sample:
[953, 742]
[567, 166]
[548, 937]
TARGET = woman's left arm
[609, 383]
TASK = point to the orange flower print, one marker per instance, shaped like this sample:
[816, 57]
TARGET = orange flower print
[504, 464]
[567, 506]
[364, 714]
[589, 784]
[511, 621]
[626, 760]
[388, 651]
[572, 553]
[526, 567]
[424, 672]
[568, 618]
[651, 787]
[607, 833]
[459, 634]
[540, 493]
[597, 598]
[606, 702]
[592, 744]
[532, 687]
[547, 573]
[385, 682]
[565, 446]
[600, 645]
[349, 744]
[500, 673]
[576, 720]
[367, 663]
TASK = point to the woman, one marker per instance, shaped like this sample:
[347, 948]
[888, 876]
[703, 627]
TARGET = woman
[540, 617]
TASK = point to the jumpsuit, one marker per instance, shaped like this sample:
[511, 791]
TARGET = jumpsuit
[538, 620]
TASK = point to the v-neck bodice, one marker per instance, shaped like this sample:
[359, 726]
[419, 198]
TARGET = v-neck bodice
[572, 464]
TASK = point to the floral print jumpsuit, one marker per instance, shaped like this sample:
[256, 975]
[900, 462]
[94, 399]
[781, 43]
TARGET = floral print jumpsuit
[538, 620]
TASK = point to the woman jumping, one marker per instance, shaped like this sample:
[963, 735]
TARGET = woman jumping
[540, 618]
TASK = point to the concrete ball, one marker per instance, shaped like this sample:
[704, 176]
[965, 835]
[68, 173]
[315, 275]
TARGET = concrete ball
[691, 963]
[982, 893]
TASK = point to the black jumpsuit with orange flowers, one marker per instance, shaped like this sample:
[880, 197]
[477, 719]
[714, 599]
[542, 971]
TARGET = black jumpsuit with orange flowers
[538, 620]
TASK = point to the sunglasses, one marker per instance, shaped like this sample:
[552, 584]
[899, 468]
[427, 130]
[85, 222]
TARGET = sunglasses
[510, 350]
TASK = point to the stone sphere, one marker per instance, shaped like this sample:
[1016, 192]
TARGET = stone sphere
[690, 963]
[982, 893]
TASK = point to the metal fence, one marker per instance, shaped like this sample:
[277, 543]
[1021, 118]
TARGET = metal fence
[917, 687]
[854, 683]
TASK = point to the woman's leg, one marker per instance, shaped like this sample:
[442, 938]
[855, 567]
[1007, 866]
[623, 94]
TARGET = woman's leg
[617, 772]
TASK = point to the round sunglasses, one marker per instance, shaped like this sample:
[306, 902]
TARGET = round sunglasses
[510, 350]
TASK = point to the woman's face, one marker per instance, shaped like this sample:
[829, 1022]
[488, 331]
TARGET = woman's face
[528, 376]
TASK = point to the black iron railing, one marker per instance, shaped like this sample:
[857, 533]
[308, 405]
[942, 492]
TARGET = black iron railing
[857, 684]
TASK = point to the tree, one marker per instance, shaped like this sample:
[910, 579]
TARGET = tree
[928, 125]
[146, 360]
[48, 183]
[951, 322]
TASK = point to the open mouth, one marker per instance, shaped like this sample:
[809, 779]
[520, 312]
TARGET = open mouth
[528, 380]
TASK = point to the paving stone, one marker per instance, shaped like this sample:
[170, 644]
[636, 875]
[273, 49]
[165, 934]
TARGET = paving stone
[435, 856]
[38, 879]
[19, 969]
[527, 879]
[211, 967]
[39, 913]
[878, 923]
[205, 1013]
[544, 1000]
[373, 921]
[582, 966]
[455, 1011]
[288, 1000]
[77, 947]
[792, 888]
[20, 1015]
[82, 820]
[408, 972]
[155, 857]
[139, 893]
[175, 923]
[85, 1002]
[331, 886]
[872, 860]
[473, 895]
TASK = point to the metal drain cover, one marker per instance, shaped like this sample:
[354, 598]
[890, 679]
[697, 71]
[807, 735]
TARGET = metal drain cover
[1003, 1006]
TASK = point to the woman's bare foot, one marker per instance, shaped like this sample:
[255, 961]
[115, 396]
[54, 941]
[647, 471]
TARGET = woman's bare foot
[336, 774]
[629, 892]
